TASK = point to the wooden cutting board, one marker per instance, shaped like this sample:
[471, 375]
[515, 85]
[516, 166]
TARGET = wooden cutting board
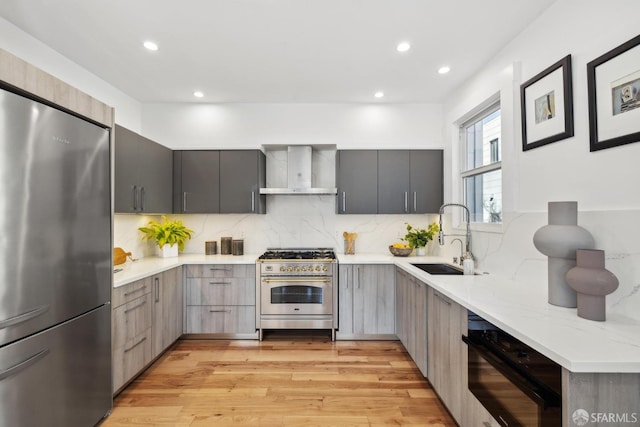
[120, 256]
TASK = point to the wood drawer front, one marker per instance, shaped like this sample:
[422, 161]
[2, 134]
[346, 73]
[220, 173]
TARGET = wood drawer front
[221, 270]
[130, 358]
[237, 319]
[221, 291]
[131, 291]
[131, 319]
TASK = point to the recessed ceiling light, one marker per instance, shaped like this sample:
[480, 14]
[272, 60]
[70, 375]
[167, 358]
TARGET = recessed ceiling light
[150, 45]
[379, 94]
[198, 94]
[444, 70]
[403, 47]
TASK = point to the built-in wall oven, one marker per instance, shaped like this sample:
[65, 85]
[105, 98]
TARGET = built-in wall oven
[297, 289]
[517, 385]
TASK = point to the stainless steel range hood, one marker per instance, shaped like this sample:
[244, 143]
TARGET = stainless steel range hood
[299, 168]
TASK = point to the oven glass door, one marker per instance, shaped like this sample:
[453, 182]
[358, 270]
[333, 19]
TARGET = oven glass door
[508, 396]
[296, 296]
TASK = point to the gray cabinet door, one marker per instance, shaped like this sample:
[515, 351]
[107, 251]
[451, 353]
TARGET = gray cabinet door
[143, 174]
[374, 307]
[196, 181]
[242, 173]
[426, 192]
[345, 305]
[357, 180]
[393, 181]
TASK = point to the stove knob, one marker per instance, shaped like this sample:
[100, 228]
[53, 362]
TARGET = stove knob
[297, 268]
[289, 269]
[282, 268]
[317, 268]
[324, 268]
[304, 268]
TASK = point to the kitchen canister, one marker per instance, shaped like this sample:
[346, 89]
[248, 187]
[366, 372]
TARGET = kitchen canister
[210, 248]
[237, 247]
[225, 245]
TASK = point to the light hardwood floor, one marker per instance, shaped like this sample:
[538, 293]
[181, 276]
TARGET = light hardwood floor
[281, 381]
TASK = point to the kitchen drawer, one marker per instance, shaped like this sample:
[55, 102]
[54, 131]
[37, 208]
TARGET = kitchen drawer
[131, 291]
[221, 291]
[131, 358]
[221, 270]
[131, 319]
[217, 319]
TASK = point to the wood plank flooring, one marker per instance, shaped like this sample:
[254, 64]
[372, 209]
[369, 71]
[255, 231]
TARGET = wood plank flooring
[281, 381]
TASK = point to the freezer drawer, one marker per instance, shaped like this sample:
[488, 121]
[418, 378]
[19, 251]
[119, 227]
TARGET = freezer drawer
[60, 377]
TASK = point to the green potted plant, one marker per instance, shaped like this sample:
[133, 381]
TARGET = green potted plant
[418, 238]
[169, 235]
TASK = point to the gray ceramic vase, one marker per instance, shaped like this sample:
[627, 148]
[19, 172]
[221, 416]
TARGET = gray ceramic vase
[592, 282]
[559, 241]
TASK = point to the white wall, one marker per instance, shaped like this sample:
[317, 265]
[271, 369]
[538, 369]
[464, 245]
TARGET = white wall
[26, 47]
[604, 183]
[188, 126]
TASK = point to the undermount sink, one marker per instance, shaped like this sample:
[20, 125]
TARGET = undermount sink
[439, 268]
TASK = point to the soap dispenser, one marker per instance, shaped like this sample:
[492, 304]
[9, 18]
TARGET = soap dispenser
[468, 264]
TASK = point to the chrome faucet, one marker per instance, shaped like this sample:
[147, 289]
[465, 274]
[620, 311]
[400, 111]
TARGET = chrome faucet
[441, 234]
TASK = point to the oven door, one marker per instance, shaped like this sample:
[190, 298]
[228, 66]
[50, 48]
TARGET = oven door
[288, 295]
[509, 397]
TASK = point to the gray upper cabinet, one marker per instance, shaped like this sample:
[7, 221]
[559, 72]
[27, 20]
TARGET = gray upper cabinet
[196, 181]
[357, 180]
[242, 174]
[389, 181]
[426, 189]
[143, 174]
[393, 181]
[219, 181]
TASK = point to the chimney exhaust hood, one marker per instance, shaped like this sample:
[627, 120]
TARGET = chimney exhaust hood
[299, 166]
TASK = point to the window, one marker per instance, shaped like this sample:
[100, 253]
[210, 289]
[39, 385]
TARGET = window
[481, 172]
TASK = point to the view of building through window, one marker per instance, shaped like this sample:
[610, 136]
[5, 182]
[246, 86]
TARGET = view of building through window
[482, 175]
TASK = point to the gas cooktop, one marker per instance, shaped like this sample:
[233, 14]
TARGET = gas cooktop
[279, 254]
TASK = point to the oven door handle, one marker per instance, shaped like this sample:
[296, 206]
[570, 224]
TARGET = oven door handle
[323, 280]
[535, 393]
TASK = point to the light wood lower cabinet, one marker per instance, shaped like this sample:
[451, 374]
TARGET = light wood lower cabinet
[447, 322]
[366, 302]
[167, 309]
[411, 317]
[221, 300]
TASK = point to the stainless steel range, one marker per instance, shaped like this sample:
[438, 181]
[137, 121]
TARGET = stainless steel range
[297, 289]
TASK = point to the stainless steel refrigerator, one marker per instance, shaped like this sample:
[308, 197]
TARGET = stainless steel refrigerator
[55, 267]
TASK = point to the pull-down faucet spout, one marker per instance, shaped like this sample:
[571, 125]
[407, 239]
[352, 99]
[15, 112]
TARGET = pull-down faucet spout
[441, 234]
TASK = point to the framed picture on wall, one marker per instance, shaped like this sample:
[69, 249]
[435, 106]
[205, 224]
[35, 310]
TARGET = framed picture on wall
[613, 82]
[547, 106]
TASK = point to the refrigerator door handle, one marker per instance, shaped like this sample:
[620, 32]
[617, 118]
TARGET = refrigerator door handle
[24, 364]
[23, 317]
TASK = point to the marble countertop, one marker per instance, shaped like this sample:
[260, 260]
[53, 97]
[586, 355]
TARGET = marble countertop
[577, 344]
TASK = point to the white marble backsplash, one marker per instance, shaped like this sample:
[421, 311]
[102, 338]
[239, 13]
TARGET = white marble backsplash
[311, 221]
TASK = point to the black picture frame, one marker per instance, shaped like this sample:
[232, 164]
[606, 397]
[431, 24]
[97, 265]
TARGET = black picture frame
[618, 127]
[540, 128]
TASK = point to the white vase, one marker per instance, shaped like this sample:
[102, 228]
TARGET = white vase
[168, 251]
[422, 251]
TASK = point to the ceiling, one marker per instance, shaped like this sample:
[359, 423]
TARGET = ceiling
[315, 51]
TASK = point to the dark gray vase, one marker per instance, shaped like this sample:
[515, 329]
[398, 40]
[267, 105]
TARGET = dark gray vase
[559, 240]
[592, 282]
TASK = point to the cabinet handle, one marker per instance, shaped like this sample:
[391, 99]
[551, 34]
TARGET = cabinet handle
[219, 283]
[157, 283]
[135, 307]
[127, 350]
[219, 311]
[184, 201]
[142, 198]
[24, 364]
[344, 201]
[220, 269]
[253, 201]
[486, 424]
[135, 291]
[415, 201]
[441, 298]
[358, 276]
[134, 197]
[406, 202]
